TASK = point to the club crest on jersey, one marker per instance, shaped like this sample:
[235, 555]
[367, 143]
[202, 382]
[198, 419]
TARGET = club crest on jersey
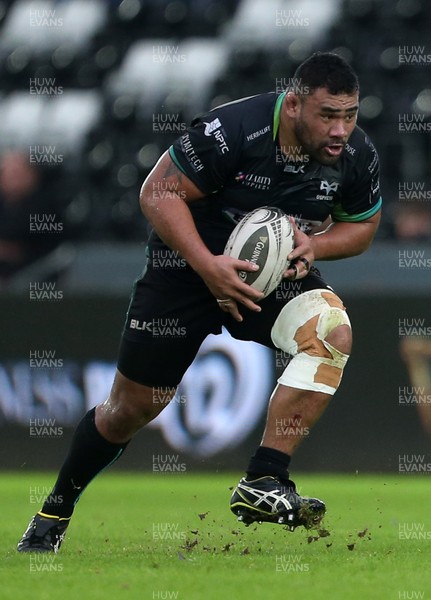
[327, 187]
[211, 126]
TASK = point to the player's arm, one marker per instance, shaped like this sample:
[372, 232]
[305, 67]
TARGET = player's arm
[343, 239]
[164, 200]
[339, 240]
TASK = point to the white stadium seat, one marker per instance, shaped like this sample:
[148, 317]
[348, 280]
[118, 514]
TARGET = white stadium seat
[204, 60]
[62, 121]
[44, 24]
[69, 117]
[141, 73]
[155, 68]
[272, 22]
[21, 116]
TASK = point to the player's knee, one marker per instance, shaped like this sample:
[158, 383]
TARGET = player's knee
[341, 338]
[315, 329]
[135, 405]
[136, 409]
[118, 420]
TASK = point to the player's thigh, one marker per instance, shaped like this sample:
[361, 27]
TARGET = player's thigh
[257, 326]
[166, 324]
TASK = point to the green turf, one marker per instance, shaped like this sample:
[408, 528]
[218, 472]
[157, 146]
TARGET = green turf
[141, 537]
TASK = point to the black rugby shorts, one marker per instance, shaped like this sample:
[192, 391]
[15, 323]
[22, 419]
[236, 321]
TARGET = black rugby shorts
[171, 313]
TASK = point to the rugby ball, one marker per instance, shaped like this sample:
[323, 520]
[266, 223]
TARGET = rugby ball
[265, 237]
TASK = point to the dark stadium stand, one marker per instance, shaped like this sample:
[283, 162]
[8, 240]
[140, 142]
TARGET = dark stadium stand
[116, 69]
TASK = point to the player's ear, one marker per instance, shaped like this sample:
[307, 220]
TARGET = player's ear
[291, 104]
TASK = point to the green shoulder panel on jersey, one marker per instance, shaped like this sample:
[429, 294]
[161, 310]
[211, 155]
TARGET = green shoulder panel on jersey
[175, 160]
[276, 118]
[338, 214]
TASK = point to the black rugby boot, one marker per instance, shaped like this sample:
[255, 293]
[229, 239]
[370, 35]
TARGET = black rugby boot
[266, 499]
[44, 534]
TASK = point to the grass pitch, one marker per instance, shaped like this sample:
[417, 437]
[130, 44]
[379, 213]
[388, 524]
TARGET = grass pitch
[159, 536]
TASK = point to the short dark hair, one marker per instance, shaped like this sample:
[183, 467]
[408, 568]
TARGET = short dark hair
[326, 70]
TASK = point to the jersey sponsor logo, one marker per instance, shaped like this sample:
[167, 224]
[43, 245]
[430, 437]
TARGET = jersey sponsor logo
[190, 153]
[375, 187]
[294, 169]
[257, 182]
[374, 191]
[141, 325]
[258, 133]
[221, 142]
[169, 328]
[372, 167]
[350, 149]
[211, 126]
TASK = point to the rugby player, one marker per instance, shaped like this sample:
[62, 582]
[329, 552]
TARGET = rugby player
[299, 150]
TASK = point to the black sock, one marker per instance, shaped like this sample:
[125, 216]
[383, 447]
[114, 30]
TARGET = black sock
[89, 454]
[268, 461]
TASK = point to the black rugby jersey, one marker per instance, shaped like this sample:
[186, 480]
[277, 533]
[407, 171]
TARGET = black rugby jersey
[233, 156]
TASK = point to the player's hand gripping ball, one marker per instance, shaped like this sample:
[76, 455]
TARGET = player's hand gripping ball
[264, 237]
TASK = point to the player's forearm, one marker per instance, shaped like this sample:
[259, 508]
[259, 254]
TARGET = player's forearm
[342, 240]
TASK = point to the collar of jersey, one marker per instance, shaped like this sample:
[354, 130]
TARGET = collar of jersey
[277, 111]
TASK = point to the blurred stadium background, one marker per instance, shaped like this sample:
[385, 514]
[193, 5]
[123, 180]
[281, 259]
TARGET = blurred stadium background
[92, 92]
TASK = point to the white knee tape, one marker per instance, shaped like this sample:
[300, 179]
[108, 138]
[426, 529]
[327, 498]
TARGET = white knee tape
[300, 330]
